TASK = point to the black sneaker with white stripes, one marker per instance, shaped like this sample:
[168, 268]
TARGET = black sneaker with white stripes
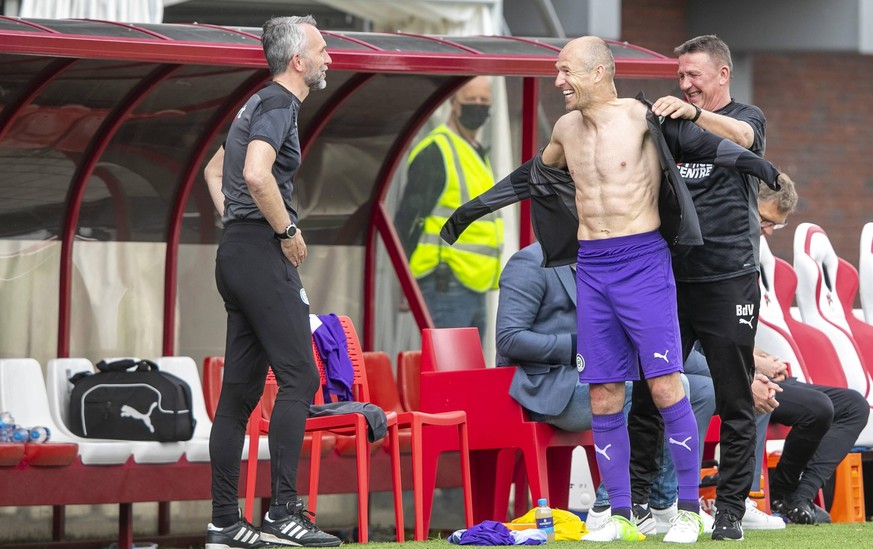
[241, 535]
[296, 529]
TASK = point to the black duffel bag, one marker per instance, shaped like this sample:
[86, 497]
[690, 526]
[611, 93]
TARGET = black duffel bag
[131, 400]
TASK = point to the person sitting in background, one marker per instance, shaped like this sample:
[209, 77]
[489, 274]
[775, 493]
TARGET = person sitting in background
[825, 421]
[536, 331]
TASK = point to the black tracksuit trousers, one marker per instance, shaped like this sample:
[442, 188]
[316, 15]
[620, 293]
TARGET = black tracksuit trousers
[267, 325]
[723, 316]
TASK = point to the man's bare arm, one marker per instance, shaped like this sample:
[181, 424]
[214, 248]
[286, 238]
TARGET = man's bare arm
[212, 174]
[738, 131]
[553, 154]
[258, 174]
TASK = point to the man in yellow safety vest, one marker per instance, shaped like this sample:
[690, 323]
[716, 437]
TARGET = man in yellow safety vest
[448, 168]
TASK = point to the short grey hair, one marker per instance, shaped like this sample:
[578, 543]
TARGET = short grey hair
[711, 45]
[283, 38]
[785, 198]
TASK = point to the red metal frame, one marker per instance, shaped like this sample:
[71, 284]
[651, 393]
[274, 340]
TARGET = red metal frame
[92, 154]
[48, 42]
[529, 142]
[245, 55]
[385, 226]
[30, 92]
[118, 202]
[174, 223]
[327, 111]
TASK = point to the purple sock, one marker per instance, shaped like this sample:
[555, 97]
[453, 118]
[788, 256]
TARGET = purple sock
[612, 447]
[680, 428]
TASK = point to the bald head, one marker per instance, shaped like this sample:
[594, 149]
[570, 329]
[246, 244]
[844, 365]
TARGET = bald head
[477, 88]
[589, 52]
[586, 72]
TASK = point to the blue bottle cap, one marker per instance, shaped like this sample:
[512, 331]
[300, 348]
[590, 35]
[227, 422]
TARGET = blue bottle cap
[541, 502]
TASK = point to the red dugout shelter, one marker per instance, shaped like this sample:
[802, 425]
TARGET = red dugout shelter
[107, 233]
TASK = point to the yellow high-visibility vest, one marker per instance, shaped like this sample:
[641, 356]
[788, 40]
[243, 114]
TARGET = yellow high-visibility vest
[475, 257]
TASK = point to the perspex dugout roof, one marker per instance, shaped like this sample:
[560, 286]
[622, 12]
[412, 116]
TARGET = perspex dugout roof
[105, 127]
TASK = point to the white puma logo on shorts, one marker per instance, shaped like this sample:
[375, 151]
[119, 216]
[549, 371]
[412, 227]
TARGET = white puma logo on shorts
[749, 322]
[664, 356]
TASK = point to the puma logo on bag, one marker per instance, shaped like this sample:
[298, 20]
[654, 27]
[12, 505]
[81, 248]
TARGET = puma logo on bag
[129, 411]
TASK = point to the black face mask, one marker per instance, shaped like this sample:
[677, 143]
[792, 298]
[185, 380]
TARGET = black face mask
[473, 116]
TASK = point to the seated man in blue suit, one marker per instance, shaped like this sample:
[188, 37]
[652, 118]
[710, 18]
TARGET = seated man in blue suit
[536, 330]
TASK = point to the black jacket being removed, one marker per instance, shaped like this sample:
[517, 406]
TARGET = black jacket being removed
[553, 193]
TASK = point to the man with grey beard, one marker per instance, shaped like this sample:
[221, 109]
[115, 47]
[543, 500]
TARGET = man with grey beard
[250, 181]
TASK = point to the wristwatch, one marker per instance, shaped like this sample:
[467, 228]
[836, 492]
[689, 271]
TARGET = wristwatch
[697, 113]
[289, 232]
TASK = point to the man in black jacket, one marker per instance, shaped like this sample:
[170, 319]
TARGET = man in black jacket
[722, 274]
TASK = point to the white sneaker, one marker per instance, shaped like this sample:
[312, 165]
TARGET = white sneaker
[663, 518]
[708, 521]
[597, 520]
[617, 528]
[755, 519]
[685, 527]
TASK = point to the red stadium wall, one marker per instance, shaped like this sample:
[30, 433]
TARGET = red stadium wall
[659, 25]
[820, 131]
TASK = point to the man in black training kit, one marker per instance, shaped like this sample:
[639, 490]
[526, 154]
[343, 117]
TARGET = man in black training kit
[717, 283]
[250, 181]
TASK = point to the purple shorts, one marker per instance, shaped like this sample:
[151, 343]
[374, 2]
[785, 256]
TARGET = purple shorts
[626, 309]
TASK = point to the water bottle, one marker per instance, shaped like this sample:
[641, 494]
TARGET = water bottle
[40, 434]
[19, 434]
[7, 423]
[544, 519]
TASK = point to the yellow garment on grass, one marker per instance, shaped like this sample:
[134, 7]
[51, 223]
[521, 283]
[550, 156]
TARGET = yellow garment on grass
[568, 526]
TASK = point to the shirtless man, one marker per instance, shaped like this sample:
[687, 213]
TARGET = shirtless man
[601, 175]
[624, 277]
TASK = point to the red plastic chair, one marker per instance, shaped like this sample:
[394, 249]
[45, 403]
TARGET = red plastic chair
[454, 377]
[384, 393]
[428, 438]
[213, 371]
[818, 273]
[344, 424]
[818, 358]
[213, 368]
[779, 333]
[847, 291]
[865, 267]
[408, 376]
[508, 469]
